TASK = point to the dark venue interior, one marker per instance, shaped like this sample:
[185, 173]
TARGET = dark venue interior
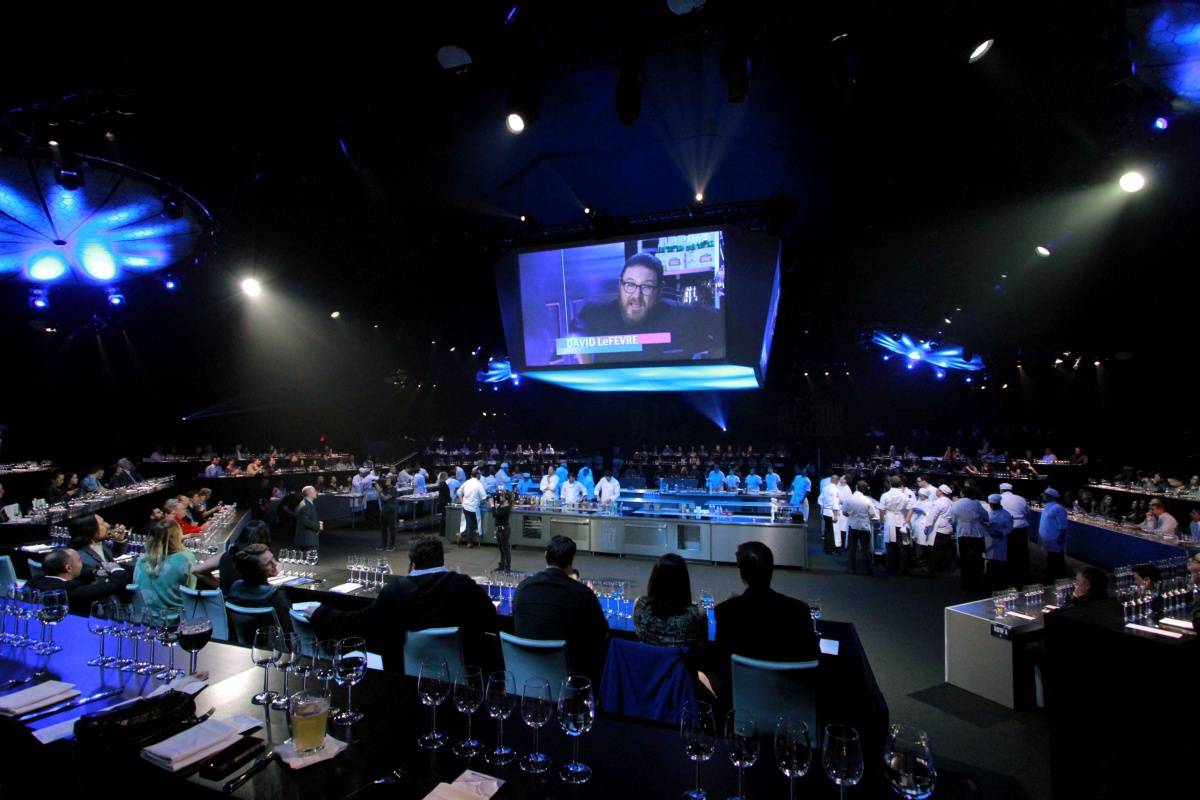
[903, 298]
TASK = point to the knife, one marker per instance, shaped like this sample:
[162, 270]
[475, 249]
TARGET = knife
[42, 713]
[15, 682]
[232, 786]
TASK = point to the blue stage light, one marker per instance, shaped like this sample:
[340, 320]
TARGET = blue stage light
[98, 261]
[170, 285]
[47, 267]
[115, 298]
[1174, 38]
[653, 379]
[945, 358]
[39, 299]
[1161, 123]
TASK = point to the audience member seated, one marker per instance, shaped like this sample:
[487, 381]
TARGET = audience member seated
[1146, 577]
[92, 482]
[256, 565]
[1091, 585]
[98, 544]
[56, 491]
[760, 622]
[665, 615]
[167, 565]
[1158, 520]
[428, 597]
[178, 511]
[156, 514]
[255, 532]
[125, 475]
[61, 569]
[552, 605]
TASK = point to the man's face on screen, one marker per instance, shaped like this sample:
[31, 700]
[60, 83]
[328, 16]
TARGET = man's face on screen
[638, 291]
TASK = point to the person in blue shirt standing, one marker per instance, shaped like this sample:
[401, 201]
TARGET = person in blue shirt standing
[771, 479]
[1052, 533]
[589, 482]
[561, 472]
[754, 481]
[418, 480]
[732, 480]
[801, 486]
[999, 529]
[716, 479]
[502, 476]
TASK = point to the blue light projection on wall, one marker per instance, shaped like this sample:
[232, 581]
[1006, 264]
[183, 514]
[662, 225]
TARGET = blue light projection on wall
[705, 377]
[1171, 47]
[110, 228]
[498, 371]
[942, 358]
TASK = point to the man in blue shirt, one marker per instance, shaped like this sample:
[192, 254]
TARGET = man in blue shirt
[561, 472]
[753, 481]
[91, 482]
[716, 479]
[502, 476]
[801, 486]
[970, 526]
[1052, 533]
[999, 528]
[214, 469]
[772, 480]
[1194, 525]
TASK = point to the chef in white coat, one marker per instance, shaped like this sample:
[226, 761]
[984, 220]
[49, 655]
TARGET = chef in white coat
[841, 523]
[608, 489]
[549, 488]
[897, 507]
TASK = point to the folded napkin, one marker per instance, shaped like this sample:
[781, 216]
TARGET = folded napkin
[346, 588]
[279, 579]
[38, 696]
[1177, 623]
[287, 753]
[306, 606]
[197, 743]
[1148, 629]
[470, 785]
[830, 647]
[37, 548]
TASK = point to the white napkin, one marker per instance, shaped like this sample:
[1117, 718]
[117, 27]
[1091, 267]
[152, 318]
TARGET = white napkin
[306, 606]
[43, 694]
[37, 548]
[830, 647]
[196, 743]
[1147, 629]
[1177, 623]
[278, 579]
[346, 588]
[287, 753]
[470, 785]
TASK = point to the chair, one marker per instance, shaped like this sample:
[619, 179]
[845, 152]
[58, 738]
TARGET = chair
[35, 568]
[245, 620]
[433, 643]
[535, 658]
[646, 681]
[208, 603]
[771, 689]
[8, 575]
[304, 629]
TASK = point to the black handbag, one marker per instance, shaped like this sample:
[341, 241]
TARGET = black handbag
[137, 723]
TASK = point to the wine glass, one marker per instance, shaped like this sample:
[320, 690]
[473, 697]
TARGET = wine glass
[349, 667]
[500, 700]
[100, 623]
[194, 633]
[265, 652]
[289, 646]
[51, 611]
[908, 762]
[302, 665]
[793, 751]
[698, 729]
[433, 685]
[168, 637]
[842, 757]
[120, 627]
[741, 734]
[576, 714]
[536, 709]
[148, 632]
[468, 695]
[323, 664]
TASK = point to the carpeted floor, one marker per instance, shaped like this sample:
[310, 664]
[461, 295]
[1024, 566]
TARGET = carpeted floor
[900, 621]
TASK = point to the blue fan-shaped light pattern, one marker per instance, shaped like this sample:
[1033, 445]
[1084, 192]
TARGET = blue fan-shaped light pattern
[112, 227]
[916, 352]
[498, 371]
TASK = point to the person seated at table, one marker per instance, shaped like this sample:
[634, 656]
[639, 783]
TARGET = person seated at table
[92, 482]
[666, 615]
[1091, 585]
[198, 508]
[256, 565]
[1158, 520]
[125, 475]
[334, 486]
[232, 470]
[98, 545]
[61, 569]
[166, 566]
[760, 622]
[255, 532]
[1194, 523]
[178, 511]
[156, 514]
[428, 597]
[255, 467]
[551, 605]
[1146, 577]
[56, 491]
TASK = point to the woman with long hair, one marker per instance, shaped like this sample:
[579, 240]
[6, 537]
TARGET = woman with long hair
[166, 566]
[666, 615]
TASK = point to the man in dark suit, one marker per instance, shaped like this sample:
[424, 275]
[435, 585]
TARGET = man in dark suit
[760, 622]
[125, 475]
[60, 570]
[428, 597]
[553, 605]
[308, 527]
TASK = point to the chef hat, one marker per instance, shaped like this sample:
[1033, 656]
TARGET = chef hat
[994, 498]
[1052, 493]
[1006, 487]
[944, 489]
[925, 491]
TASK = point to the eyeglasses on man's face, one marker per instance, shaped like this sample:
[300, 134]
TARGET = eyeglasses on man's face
[629, 287]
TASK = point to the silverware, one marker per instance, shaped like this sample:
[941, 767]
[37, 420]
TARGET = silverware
[15, 682]
[395, 776]
[63, 706]
[260, 762]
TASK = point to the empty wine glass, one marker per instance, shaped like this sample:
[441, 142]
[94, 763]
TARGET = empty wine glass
[500, 700]
[148, 632]
[793, 751]
[168, 637]
[265, 652]
[120, 626]
[698, 730]
[741, 734]
[302, 665]
[289, 646]
[349, 667]
[468, 695]
[576, 714]
[433, 685]
[536, 709]
[194, 633]
[100, 623]
[908, 762]
[52, 610]
[323, 664]
[842, 757]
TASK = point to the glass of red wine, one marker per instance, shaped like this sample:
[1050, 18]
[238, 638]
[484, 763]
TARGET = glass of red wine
[194, 633]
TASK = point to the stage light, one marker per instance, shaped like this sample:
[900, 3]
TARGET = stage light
[1005, 386]
[910, 365]
[587, 210]
[1132, 182]
[968, 379]
[940, 374]
[522, 218]
[69, 178]
[1003, 275]
[887, 358]
[48, 267]
[453, 58]
[170, 284]
[98, 261]
[847, 374]
[826, 374]
[334, 314]
[251, 287]
[1095, 363]
[1058, 361]
[1161, 123]
[915, 355]
[452, 349]
[522, 103]
[980, 50]
[376, 327]
[1042, 251]
[699, 197]
[115, 298]
[51, 329]
[947, 320]
[515, 123]
[53, 143]
[39, 299]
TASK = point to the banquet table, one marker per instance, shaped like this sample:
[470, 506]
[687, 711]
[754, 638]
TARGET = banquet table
[1108, 545]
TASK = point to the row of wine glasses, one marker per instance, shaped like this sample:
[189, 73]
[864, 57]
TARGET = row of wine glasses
[308, 558]
[368, 571]
[23, 604]
[129, 623]
[576, 707]
[908, 762]
[343, 661]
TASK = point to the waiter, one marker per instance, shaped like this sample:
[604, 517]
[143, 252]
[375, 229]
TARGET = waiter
[841, 524]
[941, 529]
[1018, 540]
[1052, 534]
[897, 512]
